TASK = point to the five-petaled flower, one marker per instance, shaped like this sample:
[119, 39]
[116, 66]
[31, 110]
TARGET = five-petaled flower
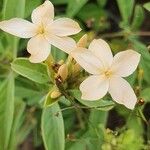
[107, 72]
[44, 31]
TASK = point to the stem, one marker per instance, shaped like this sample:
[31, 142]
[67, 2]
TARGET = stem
[15, 47]
[143, 33]
[76, 106]
[143, 117]
[120, 34]
[112, 35]
[83, 107]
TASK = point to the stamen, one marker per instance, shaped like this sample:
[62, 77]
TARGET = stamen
[108, 73]
[41, 30]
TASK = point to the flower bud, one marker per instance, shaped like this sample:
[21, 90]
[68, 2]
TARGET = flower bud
[63, 72]
[140, 74]
[61, 62]
[55, 94]
[83, 41]
[76, 68]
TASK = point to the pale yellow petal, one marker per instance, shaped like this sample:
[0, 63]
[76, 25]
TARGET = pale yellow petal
[39, 49]
[125, 63]
[94, 87]
[83, 41]
[102, 50]
[121, 92]
[19, 27]
[87, 60]
[64, 27]
[63, 71]
[65, 44]
[43, 12]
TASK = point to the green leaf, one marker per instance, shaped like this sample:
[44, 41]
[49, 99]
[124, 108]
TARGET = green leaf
[135, 123]
[74, 6]
[102, 3]
[92, 139]
[10, 10]
[58, 54]
[145, 94]
[98, 117]
[31, 5]
[126, 8]
[138, 17]
[98, 104]
[6, 110]
[53, 128]
[145, 57]
[59, 2]
[147, 6]
[34, 72]
[141, 48]
[17, 123]
[50, 101]
[97, 17]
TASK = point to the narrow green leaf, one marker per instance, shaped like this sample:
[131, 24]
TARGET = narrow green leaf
[34, 72]
[17, 122]
[98, 104]
[126, 8]
[53, 128]
[147, 6]
[10, 10]
[6, 110]
[74, 6]
[145, 58]
[141, 48]
[138, 18]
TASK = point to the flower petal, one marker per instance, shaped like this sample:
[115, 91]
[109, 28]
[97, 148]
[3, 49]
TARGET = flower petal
[19, 27]
[121, 91]
[94, 87]
[66, 44]
[125, 63]
[87, 60]
[43, 12]
[39, 49]
[102, 50]
[65, 27]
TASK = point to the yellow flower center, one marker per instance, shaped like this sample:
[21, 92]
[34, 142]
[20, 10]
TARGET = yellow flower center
[41, 29]
[107, 73]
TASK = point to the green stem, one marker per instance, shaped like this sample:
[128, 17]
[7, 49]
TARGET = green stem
[76, 106]
[15, 47]
[142, 116]
[120, 34]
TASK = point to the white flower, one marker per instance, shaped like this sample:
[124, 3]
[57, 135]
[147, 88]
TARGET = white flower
[107, 72]
[44, 31]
